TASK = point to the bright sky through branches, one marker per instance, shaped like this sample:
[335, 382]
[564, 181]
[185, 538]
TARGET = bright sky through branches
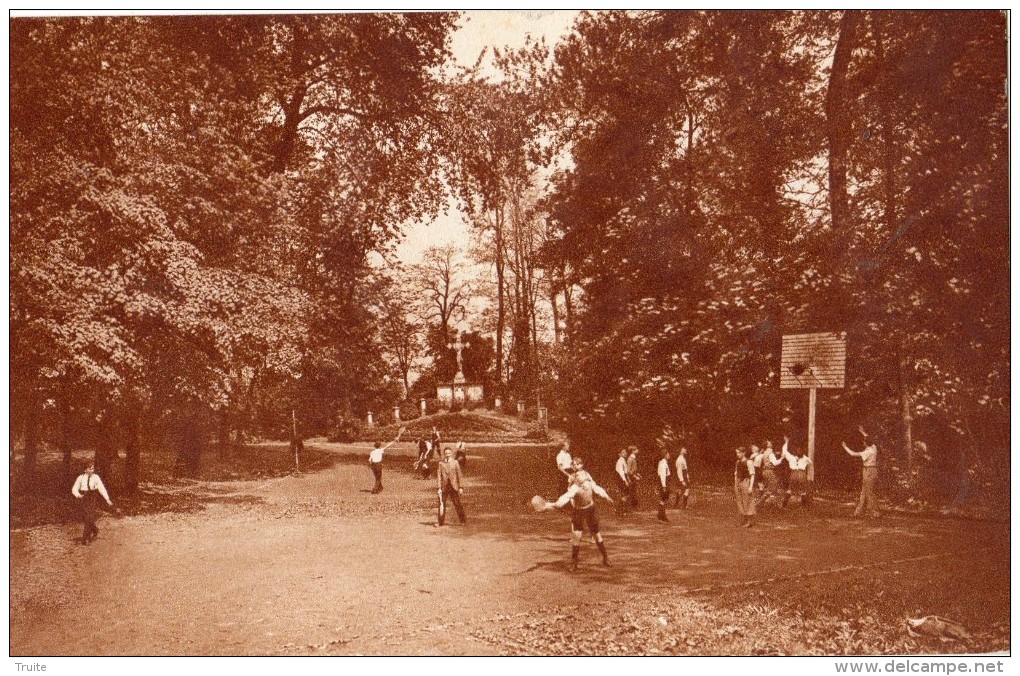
[480, 29]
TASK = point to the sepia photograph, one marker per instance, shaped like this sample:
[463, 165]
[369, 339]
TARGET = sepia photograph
[488, 334]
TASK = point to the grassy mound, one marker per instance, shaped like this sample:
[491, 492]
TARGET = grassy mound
[470, 427]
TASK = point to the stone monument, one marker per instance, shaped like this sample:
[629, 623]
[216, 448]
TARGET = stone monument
[459, 392]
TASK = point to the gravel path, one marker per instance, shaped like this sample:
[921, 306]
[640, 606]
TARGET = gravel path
[314, 564]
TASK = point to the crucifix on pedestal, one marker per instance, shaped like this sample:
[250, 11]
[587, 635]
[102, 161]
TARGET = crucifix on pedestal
[459, 346]
[460, 393]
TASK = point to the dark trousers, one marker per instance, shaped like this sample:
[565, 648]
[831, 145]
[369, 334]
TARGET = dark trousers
[449, 494]
[624, 489]
[663, 500]
[377, 471]
[683, 491]
[87, 505]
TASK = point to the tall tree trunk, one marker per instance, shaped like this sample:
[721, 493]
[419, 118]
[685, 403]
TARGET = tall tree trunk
[555, 310]
[288, 134]
[500, 293]
[907, 416]
[64, 434]
[132, 452]
[837, 114]
[243, 425]
[529, 266]
[105, 447]
[189, 443]
[522, 354]
[568, 310]
[973, 457]
[223, 432]
[889, 217]
[296, 443]
[888, 146]
[32, 423]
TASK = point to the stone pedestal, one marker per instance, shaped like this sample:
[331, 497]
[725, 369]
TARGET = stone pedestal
[370, 421]
[396, 413]
[424, 406]
[460, 393]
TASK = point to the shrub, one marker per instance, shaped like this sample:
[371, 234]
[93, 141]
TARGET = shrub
[347, 430]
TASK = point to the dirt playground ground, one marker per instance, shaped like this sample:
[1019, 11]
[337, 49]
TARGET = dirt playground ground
[313, 564]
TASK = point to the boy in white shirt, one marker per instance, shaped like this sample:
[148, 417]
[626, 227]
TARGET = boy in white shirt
[798, 475]
[87, 490]
[622, 482]
[564, 462]
[375, 459]
[664, 473]
[683, 479]
[868, 502]
[771, 487]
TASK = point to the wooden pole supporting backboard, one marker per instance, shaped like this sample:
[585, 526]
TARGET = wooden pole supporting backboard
[812, 408]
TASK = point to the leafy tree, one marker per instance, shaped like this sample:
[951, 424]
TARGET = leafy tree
[441, 280]
[737, 176]
[194, 201]
[928, 273]
[401, 331]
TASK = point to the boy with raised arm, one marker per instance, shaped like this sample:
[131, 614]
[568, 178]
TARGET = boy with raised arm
[375, 461]
[869, 476]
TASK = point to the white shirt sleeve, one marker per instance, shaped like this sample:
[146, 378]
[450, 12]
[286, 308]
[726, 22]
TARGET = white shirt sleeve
[78, 486]
[81, 485]
[565, 498]
[681, 467]
[599, 491]
[102, 489]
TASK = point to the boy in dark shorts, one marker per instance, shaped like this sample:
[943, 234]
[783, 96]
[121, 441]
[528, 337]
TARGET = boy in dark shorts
[580, 494]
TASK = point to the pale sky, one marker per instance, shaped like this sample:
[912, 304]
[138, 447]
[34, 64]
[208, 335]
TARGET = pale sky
[480, 29]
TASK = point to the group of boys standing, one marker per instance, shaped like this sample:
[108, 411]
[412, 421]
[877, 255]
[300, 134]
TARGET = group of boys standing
[447, 468]
[671, 481]
[758, 476]
[428, 454]
[762, 473]
[582, 489]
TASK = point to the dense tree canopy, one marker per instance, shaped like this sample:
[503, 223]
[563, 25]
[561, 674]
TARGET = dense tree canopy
[203, 209]
[700, 144]
[193, 204]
